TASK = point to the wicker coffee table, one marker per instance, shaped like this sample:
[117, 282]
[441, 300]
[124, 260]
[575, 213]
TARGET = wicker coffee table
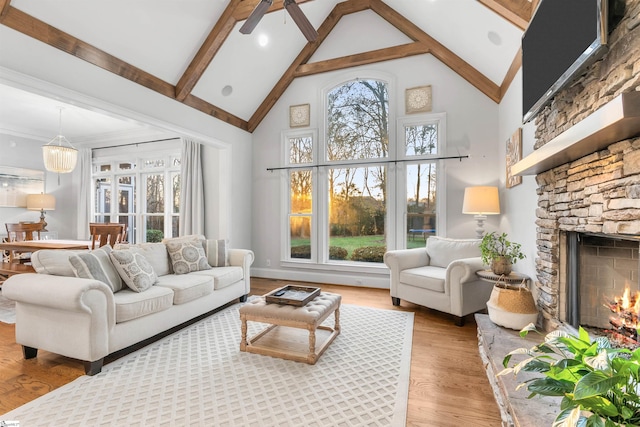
[279, 340]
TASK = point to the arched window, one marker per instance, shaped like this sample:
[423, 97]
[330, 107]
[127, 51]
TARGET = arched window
[345, 204]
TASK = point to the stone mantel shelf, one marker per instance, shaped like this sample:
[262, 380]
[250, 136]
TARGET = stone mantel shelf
[617, 120]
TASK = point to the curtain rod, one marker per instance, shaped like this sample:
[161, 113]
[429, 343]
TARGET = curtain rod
[136, 143]
[368, 162]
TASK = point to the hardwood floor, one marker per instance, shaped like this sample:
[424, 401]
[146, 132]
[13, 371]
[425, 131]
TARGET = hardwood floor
[448, 385]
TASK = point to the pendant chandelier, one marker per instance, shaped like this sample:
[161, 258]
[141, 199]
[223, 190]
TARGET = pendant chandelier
[59, 155]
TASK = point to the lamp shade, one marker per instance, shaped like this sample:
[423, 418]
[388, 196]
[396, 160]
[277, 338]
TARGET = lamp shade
[481, 201]
[44, 202]
[58, 158]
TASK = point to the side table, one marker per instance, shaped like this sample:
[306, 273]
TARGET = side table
[512, 279]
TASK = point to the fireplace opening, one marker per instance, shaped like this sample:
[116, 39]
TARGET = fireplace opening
[602, 288]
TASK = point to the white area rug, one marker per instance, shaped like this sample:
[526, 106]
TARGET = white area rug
[198, 377]
[7, 310]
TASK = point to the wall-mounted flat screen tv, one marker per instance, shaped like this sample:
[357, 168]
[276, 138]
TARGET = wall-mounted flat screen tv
[563, 37]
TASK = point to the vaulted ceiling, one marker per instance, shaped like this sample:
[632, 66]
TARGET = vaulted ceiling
[191, 50]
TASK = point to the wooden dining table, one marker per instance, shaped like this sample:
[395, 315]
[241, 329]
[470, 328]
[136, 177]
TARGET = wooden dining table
[36, 245]
[11, 268]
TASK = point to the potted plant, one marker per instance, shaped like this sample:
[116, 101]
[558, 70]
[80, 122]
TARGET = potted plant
[499, 253]
[599, 385]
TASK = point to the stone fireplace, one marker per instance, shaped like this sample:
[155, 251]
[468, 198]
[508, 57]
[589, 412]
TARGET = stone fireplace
[595, 192]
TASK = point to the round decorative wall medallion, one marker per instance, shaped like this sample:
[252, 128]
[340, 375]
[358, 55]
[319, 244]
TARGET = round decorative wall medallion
[418, 99]
[299, 115]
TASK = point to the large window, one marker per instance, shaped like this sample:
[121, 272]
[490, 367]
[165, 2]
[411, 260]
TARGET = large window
[147, 194]
[355, 176]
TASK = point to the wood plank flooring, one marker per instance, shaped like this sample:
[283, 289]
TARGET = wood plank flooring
[448, 385]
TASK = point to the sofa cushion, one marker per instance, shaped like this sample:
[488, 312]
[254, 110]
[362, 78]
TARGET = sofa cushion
[187, 256]
[131, 305]
[155, 253]
[186, 287]
[134, 269]
[443, 251]
[97, 265]
[430, 278]
[217, 252]
[223, 276]
[54, 262]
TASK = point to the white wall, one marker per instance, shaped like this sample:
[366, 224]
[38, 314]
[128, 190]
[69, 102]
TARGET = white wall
[519, 203]
[472, 129]
[26, 153]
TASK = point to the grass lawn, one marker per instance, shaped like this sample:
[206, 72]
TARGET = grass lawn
[351, 243]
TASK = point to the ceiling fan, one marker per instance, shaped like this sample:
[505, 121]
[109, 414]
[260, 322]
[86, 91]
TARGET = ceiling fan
[294, 10]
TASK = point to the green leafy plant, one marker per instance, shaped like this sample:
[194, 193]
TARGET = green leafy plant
[599, 385]
[495, 245]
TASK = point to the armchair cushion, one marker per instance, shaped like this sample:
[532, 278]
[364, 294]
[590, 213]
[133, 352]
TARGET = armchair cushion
[431, 278]
[443, 251]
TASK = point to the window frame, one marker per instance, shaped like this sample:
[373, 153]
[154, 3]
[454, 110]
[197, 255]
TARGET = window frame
[396, 180]
[139, 173]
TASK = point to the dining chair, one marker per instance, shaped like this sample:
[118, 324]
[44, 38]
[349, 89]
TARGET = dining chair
[19, 232]
[106, 233]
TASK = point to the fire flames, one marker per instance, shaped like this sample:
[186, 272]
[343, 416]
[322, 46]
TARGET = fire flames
[625, 322]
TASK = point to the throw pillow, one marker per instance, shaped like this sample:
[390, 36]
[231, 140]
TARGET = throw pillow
[187, 256]
[155, 253]
[217, 253]
[96, 265]
[134, 269]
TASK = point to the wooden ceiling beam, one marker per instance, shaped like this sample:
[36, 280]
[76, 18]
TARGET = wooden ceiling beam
[207, 51]
[32, 27]
[511, 73]
[4, 8]
[41, 31]
[379, 55]
[245, 7]
[518, 12]
[218, 113]
[305, 54]
[446, 56]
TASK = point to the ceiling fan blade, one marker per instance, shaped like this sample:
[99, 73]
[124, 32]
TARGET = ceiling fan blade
[255, 16]
[301, 20]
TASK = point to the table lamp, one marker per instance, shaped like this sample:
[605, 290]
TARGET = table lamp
[480, 202]
[41, 202]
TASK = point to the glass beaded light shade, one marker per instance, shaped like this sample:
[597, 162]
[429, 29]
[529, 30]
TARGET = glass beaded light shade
[59, 155]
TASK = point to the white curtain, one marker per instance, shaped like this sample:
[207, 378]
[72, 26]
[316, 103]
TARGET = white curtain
[191, 189]
[84, 195]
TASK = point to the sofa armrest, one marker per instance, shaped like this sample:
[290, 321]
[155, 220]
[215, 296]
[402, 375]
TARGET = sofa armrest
[243, 258]
[65, 315]
[58, 292]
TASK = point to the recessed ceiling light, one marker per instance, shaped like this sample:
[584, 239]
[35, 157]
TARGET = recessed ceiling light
[494, 38]
[263, 40]
[226, 91]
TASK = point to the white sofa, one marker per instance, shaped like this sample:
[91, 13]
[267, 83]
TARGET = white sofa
[86, 319]
[442, 276]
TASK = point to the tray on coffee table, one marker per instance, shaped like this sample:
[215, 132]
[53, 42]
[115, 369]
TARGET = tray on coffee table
[292, 295]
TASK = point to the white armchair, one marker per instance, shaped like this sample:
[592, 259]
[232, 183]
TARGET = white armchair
[441, 276]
